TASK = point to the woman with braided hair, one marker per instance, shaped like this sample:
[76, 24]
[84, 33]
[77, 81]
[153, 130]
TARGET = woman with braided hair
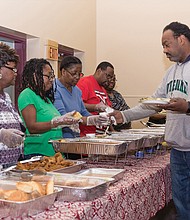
[41, 118]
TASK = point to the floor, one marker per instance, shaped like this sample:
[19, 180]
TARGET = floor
[167, 213]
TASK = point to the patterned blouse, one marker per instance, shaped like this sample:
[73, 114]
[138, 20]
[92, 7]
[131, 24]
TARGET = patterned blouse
[9, 118]
[118, 103]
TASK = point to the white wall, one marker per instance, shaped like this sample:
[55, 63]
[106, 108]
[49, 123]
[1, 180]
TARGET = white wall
[126, 33]
[69, 22]
[129, 36]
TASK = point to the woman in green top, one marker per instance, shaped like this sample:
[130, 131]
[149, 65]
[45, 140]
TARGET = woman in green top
[37, 111]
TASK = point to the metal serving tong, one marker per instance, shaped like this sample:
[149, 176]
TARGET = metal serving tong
[25, 175]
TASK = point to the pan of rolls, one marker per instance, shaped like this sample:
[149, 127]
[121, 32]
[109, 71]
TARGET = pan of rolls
[20, 199]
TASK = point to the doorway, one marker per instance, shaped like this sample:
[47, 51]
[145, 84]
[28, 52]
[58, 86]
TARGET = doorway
[19, 44]
[63, 51]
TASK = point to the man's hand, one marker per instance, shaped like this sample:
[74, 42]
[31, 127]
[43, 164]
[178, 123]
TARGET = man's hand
[118, 116]
[176, 104]
[11, 137]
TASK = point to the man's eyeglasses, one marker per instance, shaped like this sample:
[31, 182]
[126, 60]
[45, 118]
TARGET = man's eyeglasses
[11, 68]
[75, 74]
[110, 77]
[50, 77]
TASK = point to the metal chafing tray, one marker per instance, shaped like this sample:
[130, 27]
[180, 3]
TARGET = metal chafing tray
[13, 209]
[141, 138]
[102, 173]
[90, 146]
[134, 141]
[70, 169]
[91, 189]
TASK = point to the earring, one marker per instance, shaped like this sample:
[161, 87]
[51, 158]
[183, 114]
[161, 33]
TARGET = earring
[1, 76]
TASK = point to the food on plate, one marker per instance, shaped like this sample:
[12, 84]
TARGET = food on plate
[46, 163]
[25, 191]
[77, 115]
[154, 99]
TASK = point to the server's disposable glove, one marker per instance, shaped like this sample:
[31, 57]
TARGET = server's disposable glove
[100, 107]
[64, 120]
[99, 120]
[11, 137]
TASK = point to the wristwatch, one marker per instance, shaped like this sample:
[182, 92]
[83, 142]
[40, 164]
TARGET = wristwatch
[188, 110]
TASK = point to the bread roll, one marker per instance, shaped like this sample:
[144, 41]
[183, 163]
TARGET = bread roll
[25, 187]
[35, 194]
[16, 195]
[50, 186]
[1, 194]
[77, 115]
[37, 186]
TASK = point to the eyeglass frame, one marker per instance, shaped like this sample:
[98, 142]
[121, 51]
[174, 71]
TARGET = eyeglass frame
[110, 77]
[15, 70]
[51, 76]
[76, 74]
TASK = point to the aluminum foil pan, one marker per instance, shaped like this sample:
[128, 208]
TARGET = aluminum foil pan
[91, 146]
[151, 141]
[80, 188]
[134, 141]
[102, 173]
[28, 208]
[70, 169]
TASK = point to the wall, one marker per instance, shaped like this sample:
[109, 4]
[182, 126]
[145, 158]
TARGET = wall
[69, 22]
[126, 33]
[129, 36]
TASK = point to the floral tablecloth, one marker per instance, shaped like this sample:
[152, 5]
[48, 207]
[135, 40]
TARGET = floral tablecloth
[144, 189]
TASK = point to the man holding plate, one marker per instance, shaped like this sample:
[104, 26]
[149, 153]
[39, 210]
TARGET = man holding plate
[173, 95]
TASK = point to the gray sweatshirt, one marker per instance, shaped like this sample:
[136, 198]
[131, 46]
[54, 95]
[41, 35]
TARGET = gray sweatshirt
[174, 84]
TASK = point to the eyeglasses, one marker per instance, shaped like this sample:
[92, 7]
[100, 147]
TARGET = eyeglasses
[113, 79]
[110, 77]
[75, 74]
[11, 68]
[50, 77]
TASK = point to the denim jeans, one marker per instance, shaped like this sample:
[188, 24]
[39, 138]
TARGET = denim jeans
[180, 174]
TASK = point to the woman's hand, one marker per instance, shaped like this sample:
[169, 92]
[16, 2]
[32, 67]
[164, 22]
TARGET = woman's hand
[100, 120]
[67, 119]
[11, 137]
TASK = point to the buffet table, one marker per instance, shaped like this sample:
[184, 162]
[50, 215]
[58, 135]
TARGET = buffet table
[144, 189]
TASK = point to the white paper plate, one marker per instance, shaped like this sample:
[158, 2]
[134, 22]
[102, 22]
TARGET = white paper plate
[155, 102]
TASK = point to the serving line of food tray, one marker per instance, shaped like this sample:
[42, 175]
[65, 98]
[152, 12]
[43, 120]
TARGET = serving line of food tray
[90, 146]
[67, 187]
[15, 202]
[83, 185]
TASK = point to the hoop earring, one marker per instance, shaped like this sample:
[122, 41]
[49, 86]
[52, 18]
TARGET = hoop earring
[1, 76]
